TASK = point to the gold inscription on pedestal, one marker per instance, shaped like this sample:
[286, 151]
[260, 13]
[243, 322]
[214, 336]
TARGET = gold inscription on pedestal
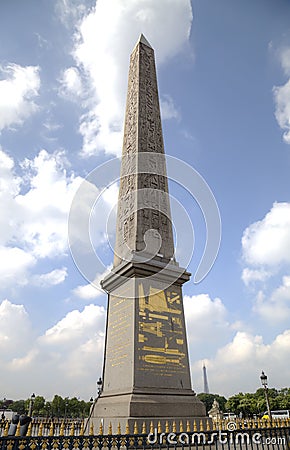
[120, 322]
[161, 334]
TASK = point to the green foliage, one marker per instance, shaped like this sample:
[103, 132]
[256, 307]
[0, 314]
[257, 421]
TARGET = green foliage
[208, 399]
[249, 404]
[58, 407]
[38, 406]
[19, 406]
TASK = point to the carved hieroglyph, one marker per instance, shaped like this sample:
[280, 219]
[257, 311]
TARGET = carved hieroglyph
[144, 218]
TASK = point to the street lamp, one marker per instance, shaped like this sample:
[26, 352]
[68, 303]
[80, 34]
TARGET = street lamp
[264, 381]
[100, 386]
[31, 401]
[4, 408]
[65, 408]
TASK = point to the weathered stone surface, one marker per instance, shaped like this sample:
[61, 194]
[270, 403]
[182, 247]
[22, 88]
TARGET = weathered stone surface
[141, 177]
[146, 372]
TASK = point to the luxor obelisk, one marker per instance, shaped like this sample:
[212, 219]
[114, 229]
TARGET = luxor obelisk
[146, 375]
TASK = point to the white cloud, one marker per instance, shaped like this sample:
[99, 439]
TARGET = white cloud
[45, 206]
[17, 94]
[282, 112]
[16, 334]
[265, 248]
[75, 326]
[240, 362]
[267, 242]
[69, 351]
[38, 198]
[202, 313]
[71, 84]
[92, 290]
[102, 56]
[206, 324]
[250, 275]
[14, 266]
[168, 110]
[88, 291]
[282, 98]
[9, 188]
[71, 11]
[35, 223]
[285, 60]
[53, 278]
[275, 308]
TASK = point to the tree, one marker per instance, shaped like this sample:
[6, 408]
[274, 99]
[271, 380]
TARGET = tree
[283, 398]
[19, 406]
[58, 406]
[208, 400]
[233, 403]
[74, 407]
[38, 406]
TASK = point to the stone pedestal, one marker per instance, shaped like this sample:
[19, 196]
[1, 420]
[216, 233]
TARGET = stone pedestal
[146, 372]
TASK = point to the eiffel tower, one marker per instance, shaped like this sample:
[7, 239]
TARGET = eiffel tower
[146, 374]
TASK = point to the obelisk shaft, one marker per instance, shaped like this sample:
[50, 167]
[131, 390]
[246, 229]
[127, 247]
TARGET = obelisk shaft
[143, 169]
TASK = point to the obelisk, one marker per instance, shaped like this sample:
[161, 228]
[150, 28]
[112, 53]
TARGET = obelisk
[146, 374]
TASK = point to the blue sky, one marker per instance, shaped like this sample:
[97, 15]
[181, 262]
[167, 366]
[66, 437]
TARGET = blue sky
[224, 83]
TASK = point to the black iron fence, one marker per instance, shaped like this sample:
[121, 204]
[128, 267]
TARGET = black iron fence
[239, 439]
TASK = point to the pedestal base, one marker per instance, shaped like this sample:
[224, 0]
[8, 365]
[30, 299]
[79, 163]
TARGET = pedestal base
[138, 411]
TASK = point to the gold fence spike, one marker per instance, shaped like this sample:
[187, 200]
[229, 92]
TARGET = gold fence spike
[135, 429]
[61, 430]
[214, 425]
[40, 429]
[101, 429]
[187, 426]
[110, 431]
[82, 429]
[127, 431]
[194, 426]
[72, 430]
[119, 428]
[159, 430]
[166, 427]
[174, 427]
[17, 433]
[51, 430]
[181, 426]
[201, 425]
[91, 432]
[143, 428]
[29, 429]
[151, 427]
[6, 429]
[208, 428]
